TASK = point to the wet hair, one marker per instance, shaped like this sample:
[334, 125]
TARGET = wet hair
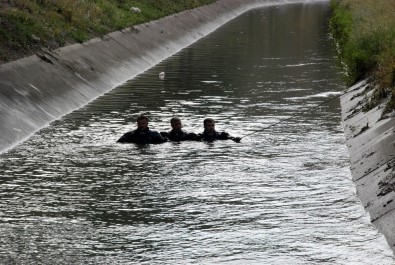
[142, 117]
[174, 119]
[207, 121]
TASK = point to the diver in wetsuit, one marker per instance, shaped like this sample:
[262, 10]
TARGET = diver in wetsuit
[177, 134]
[142, 135]
[210, 134]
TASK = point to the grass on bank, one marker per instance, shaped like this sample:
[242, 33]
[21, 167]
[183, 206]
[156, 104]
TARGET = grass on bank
[27, 26]
[365, 33]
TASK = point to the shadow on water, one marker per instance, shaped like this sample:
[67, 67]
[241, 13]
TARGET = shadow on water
[283, 196]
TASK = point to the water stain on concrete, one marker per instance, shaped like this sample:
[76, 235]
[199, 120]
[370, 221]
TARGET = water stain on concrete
[370, 140]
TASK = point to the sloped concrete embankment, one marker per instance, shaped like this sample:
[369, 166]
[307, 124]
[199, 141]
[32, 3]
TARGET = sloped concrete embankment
[39, 89]
[371, 143]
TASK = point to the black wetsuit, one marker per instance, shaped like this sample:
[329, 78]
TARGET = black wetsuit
[210, 137]
[179, 135]
[142, 137]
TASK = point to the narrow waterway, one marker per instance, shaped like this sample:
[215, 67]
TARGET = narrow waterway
[284, 195]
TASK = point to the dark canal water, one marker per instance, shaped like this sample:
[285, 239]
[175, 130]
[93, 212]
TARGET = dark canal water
[71, 195]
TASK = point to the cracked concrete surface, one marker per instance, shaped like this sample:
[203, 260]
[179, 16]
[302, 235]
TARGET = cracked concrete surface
[371, 143]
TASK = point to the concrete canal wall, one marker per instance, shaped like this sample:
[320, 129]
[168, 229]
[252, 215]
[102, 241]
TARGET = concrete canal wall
[42, 88]
[371, 143]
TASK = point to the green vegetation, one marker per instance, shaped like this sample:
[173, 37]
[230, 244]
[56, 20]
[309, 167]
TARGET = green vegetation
[365, 33]
[28, 26]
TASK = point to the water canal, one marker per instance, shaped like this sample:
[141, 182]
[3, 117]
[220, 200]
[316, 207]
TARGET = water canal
[283, 195]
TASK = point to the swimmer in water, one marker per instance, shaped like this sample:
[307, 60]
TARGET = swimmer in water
[177, 134]
[210, 134]
[142, 135]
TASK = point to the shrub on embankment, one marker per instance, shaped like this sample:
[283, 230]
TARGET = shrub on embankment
[28, 26]
[365, 33]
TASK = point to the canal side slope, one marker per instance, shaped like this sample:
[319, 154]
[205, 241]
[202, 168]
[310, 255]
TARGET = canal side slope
[371, 143]
[42, 88]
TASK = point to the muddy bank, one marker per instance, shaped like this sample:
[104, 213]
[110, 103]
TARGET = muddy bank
[42, 88]
[371, 143]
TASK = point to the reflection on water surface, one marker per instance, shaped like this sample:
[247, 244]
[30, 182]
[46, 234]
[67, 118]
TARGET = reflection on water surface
[283, 196]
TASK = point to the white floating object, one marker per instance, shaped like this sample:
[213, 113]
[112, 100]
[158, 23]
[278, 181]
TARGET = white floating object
[162, 75]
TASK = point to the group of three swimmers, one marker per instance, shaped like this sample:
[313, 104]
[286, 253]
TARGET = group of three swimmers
[143, 135]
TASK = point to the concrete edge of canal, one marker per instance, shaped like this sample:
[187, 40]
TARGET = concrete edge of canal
[371, 144]
[39, 89]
